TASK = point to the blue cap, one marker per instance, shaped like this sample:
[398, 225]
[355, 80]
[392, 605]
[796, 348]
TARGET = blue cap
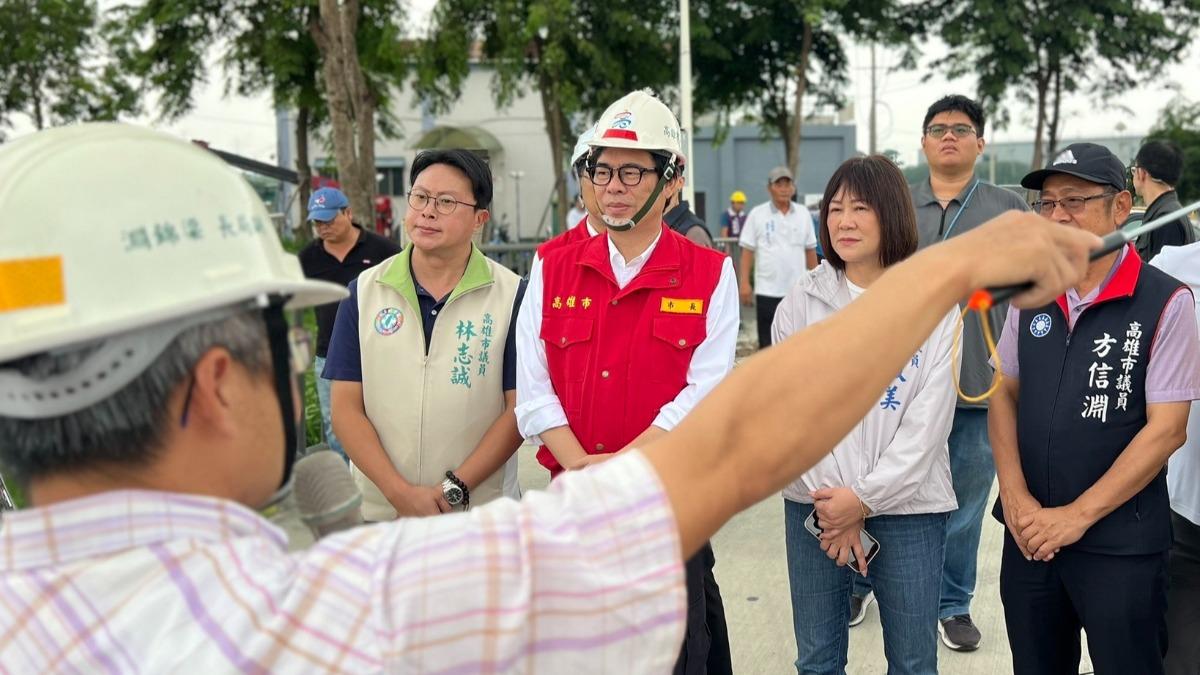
[325, 203]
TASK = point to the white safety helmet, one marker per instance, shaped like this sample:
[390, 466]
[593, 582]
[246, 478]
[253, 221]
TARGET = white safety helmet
[582, 147]
[124, 236]
[641, 121]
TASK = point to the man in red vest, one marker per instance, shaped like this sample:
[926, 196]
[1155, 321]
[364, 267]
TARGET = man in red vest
[622, 334]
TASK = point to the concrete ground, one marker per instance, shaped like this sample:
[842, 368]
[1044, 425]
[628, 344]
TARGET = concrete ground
[752, 572]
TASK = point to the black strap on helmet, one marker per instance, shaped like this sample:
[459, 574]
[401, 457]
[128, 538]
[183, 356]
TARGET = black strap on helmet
[277, 336]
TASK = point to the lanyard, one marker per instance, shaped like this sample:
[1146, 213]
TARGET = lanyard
[967, 200]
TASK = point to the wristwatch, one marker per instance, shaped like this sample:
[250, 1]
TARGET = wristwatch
[455, 491]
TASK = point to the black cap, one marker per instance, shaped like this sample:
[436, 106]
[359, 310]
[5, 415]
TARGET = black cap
[1091, 162]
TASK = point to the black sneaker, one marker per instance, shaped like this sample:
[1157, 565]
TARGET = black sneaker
[959, 633]
[858, 607]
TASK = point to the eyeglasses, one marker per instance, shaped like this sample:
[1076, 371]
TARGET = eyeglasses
[443, 204]
[1069, 204]
[959, 130]
[629, 174]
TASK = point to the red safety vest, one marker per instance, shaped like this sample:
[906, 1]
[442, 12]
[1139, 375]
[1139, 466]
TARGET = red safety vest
[574, 235]
[617, 356]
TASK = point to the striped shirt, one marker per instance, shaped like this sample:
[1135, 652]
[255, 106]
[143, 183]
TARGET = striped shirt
[584, 578]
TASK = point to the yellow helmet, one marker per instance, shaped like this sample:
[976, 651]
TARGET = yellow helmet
[738, 196]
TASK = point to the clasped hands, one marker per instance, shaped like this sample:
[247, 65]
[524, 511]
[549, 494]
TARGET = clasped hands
[1040, 533]
[841, 516]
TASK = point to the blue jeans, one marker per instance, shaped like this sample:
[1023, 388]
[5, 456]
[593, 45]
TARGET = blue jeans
[326, 414]
[972, 471]
[905, 575]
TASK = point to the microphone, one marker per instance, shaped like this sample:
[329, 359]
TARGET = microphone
[326, 495]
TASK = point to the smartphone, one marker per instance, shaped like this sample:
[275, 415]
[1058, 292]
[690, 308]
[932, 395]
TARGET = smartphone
[870, 545]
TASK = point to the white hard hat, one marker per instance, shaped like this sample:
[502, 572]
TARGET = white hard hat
[640, 121]
[111, 229]
[581, 146]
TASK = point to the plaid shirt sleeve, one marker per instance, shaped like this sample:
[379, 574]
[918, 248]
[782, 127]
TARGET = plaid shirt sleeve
[586, 577]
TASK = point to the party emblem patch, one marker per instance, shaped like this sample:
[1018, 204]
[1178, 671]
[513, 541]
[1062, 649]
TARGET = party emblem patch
[1040, 326]
[388, 321]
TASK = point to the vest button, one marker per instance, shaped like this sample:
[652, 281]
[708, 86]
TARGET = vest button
[562, 340]
[674, 281]
[600, 447]
[604, 374]
[614, 302]
[682, 343]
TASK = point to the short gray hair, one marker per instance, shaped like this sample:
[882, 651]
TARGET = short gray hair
[127, 428]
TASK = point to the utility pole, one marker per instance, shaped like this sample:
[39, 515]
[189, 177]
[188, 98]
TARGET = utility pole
[871, 114]
[685, 96]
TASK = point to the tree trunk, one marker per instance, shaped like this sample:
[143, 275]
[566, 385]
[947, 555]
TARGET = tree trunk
[1056, 111]
[303, 171]
[793, 133]
[1039, 127]
[555, 126]
[38, 119]
[351, 106]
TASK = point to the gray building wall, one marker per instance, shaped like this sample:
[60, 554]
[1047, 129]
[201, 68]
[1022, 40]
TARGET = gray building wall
[745, 157]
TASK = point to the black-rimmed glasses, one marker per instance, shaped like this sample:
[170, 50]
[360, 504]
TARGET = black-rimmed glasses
[629, 174]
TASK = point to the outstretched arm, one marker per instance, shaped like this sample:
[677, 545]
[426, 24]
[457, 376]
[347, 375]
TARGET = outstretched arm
[758, 430]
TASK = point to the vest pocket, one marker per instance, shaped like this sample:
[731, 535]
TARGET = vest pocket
[568, 350]
[563, 332]
[676, 338]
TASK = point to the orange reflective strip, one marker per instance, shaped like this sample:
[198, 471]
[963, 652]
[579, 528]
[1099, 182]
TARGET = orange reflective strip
[31, 282]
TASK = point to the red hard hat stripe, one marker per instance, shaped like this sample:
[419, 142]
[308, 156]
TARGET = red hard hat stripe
[621, 133]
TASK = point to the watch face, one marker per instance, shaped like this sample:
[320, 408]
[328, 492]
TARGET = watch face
[452, 493]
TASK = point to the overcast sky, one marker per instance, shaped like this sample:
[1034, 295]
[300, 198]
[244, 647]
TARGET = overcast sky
[247, 125]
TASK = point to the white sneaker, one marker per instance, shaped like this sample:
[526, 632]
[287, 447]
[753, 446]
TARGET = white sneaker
[858, 607]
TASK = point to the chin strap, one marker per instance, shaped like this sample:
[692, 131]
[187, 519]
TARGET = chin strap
[277, 336]
[624, 225]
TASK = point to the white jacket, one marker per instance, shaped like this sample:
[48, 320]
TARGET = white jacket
[1183, 469]
[896, 459]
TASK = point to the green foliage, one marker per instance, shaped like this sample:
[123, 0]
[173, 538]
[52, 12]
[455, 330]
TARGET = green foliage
[59, 64]
[579, 56]
[1180, 122]
[748, 55]
[269, 46]
[1041, 50]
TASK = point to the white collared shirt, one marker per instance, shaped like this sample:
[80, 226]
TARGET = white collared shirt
[780, 242]
[538, 406]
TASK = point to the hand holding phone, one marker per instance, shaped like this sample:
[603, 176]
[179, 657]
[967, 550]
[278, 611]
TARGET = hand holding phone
[870, 545]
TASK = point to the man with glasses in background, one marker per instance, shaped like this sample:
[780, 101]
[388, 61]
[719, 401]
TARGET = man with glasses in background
[1095, 399]
[953, 201]
[622, 334]
[1155, 173]
[422, 357]
[341, 251]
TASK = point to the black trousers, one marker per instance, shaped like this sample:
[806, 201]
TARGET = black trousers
[765, 307]
[1120, 600]
[1183, 599]
[705, 648]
